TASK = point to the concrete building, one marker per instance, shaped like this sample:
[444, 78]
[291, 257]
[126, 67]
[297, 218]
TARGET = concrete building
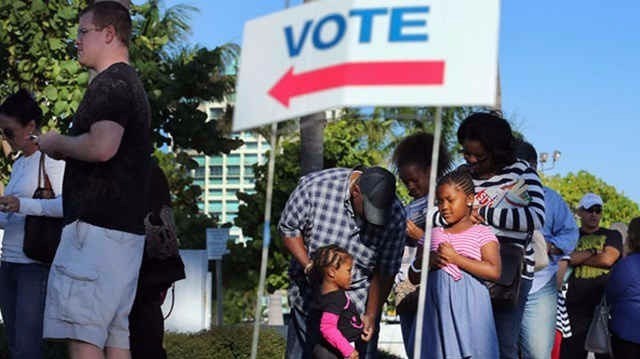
[221, 177]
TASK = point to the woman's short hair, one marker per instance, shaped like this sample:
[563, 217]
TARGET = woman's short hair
[634, 235]
[493, 132]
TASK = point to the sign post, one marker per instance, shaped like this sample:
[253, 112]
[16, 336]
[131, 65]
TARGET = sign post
[217, 247]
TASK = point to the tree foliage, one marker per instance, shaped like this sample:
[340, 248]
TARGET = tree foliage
[37, 52]
[617, 206]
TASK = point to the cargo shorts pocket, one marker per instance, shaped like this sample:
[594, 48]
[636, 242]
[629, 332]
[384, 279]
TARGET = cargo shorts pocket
[73, 294]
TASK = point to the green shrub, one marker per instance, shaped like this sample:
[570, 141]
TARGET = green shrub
[229, 342]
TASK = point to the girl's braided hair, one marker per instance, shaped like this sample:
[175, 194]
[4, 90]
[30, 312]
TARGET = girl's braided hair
[460, 178]
[327, 257]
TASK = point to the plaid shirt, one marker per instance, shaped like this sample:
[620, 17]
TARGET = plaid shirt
[319, 210]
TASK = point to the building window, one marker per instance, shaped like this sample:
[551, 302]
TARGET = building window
[233, 180]
[251, 145]
[216, 113]
[248, 171]
[215, 206]
[199, 173]
[233, 171]
[215, 192]
[233, 159]
[215, 171]
[250, 159]
[232, 206]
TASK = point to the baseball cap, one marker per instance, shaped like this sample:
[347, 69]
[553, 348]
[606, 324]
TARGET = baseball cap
[589, 200]
[378, 188]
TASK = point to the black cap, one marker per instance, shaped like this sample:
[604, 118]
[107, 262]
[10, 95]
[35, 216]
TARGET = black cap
[378, 188]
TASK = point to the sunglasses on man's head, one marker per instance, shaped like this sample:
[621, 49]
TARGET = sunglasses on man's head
[594, 209]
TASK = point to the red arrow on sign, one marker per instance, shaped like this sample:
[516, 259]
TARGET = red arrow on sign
[357, 74]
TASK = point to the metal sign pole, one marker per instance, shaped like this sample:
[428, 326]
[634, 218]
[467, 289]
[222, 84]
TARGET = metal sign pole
[426, 250]
[219, 292]
[266, 239]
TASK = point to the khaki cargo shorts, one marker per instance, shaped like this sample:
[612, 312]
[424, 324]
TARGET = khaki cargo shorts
[92, 285]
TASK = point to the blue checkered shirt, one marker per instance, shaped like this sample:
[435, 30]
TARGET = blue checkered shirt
[319, 210]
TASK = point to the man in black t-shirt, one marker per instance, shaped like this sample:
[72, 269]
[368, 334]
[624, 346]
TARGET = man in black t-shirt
[597, 251]
[93, 278]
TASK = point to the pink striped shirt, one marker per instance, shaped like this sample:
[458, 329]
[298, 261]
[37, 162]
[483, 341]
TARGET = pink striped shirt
[467, 243]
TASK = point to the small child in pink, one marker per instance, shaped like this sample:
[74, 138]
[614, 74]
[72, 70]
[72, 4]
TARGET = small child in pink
[340, 323]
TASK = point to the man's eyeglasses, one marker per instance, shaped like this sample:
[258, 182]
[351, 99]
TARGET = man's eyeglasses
[83, 31]
[594, 209]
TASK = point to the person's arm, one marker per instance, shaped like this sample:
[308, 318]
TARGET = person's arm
[605, 259]
[389, 256]
[560, 228]
[488, 267]
[100, 144]
[579, 257]
[333, 336]
[46, 207]
[379, 289]
[293, 220]
[522, 219]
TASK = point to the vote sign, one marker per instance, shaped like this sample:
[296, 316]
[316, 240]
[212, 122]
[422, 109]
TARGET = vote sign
[334, 53]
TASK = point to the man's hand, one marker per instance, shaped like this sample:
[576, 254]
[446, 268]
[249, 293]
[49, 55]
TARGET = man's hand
[447, 253]
[369, 324]
[413, 231]
[354, 355]
[48, 143]
[9, 204]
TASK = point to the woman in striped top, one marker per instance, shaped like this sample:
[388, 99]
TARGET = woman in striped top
[510, 199]
[458, 321]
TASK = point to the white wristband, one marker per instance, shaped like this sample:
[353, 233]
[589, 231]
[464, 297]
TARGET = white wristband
[414, 268]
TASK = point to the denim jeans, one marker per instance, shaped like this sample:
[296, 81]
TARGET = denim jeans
[508, 322]
[538, 322]
[301, 338]
[22, 293]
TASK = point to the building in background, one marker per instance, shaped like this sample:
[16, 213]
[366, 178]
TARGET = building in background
[221, 177]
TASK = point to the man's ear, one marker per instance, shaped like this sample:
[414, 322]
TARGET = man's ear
[355, 191]
[110, 32]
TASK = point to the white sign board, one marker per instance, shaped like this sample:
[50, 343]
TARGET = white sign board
[217, 242]
[334, 53]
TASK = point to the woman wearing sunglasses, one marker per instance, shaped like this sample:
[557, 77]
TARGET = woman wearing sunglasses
[597, 251]
[23, 281]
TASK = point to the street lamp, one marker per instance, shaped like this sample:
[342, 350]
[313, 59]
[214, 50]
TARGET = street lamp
[544, 158]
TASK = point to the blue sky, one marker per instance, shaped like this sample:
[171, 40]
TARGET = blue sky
[570, 74]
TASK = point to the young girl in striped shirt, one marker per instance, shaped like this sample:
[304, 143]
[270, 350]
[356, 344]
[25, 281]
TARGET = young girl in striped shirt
[458, 320]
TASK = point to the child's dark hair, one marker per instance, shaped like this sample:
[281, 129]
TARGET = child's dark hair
[461, 178]
[416, 150]
[326, 257]
[23, 107]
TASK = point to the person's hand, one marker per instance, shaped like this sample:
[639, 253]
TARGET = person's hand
[476, 218]
[9, 204]
[436, 261]
[447, 253]
[48, 143]
[354, 355]
[413, 231]
[369, 326]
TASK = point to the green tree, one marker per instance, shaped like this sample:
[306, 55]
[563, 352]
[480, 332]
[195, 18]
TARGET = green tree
[617, 206]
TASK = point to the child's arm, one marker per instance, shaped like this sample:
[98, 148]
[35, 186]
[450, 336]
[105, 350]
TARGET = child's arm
[488, 267]
[331, 333]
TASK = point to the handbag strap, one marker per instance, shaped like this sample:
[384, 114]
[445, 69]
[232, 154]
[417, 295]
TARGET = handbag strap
[43, 177]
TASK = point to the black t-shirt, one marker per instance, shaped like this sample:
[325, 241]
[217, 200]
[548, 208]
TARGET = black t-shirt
[349, 322]
[112, 194]
[587, 283]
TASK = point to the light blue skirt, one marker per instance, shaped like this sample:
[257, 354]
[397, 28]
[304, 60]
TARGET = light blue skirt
[458, 319]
